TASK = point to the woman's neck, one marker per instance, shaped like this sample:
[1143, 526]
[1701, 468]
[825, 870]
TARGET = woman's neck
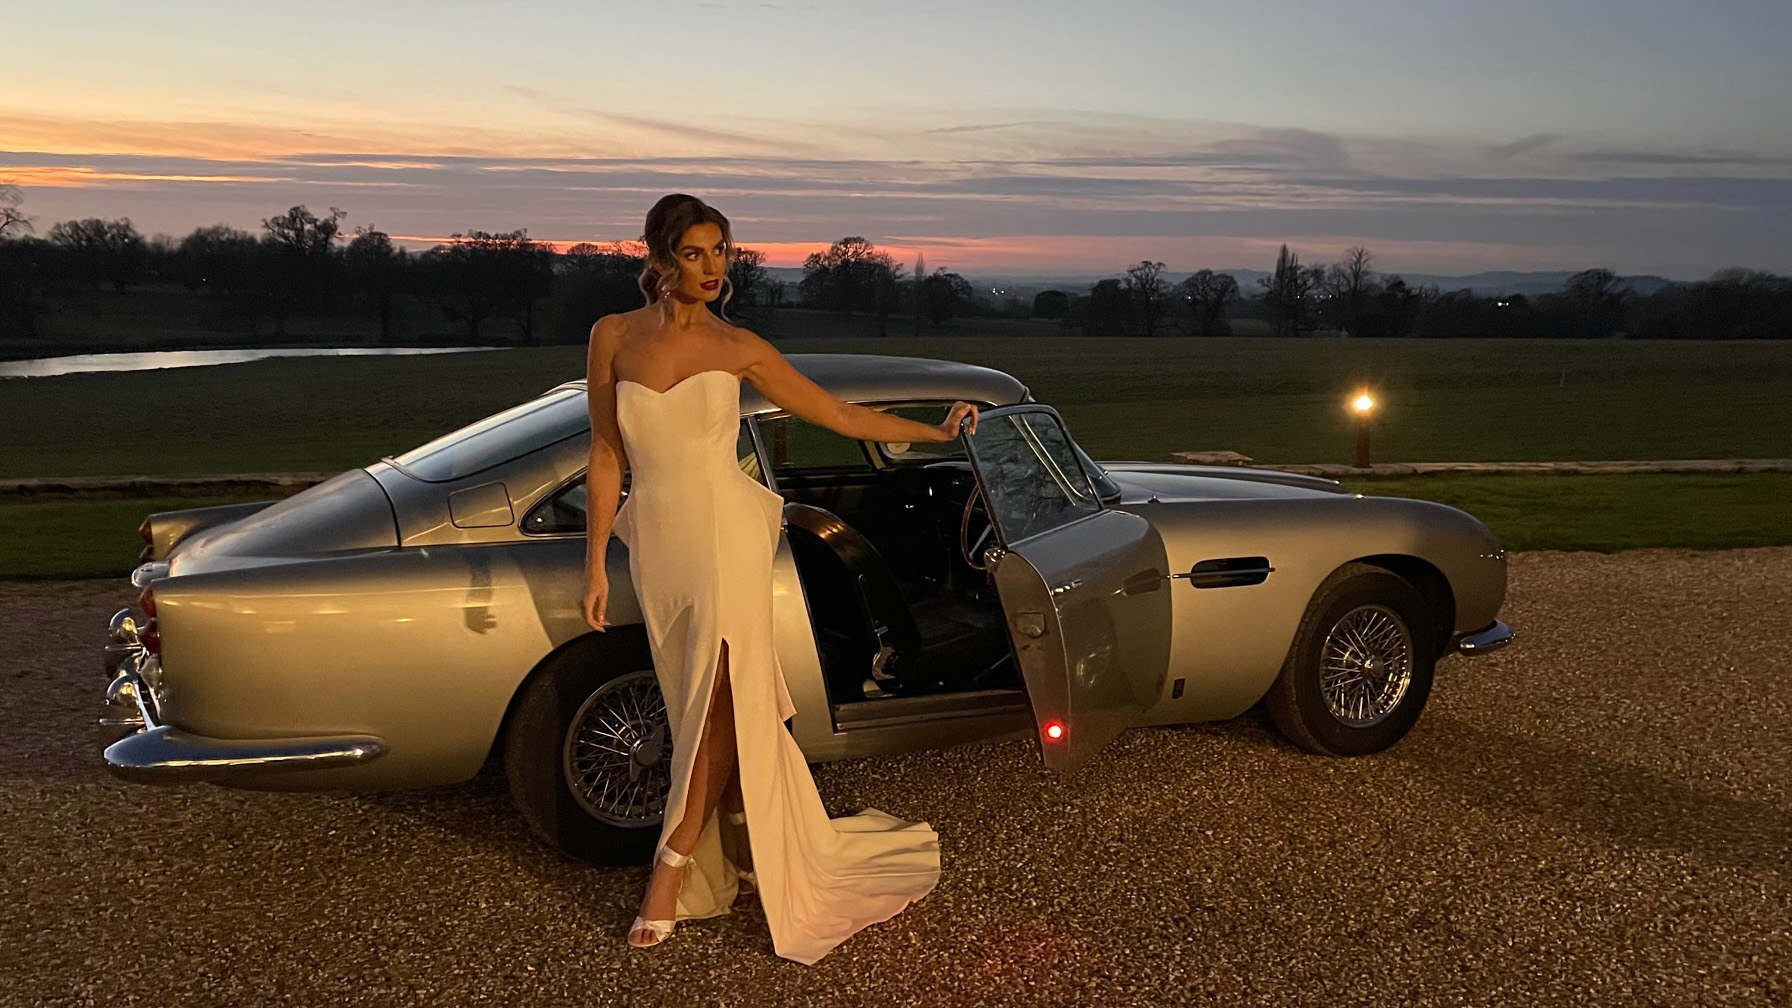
[685, 313]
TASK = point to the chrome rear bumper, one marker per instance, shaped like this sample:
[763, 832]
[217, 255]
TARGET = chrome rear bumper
[1490, 638]
[138, 746]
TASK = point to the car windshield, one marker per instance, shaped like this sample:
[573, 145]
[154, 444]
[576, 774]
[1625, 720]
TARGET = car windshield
[1105, 486]
[500, 437]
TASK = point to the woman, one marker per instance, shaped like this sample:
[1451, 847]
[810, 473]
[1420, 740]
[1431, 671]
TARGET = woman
[664, 392]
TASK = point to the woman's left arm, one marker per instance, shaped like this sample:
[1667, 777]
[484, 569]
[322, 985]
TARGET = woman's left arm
[792, 390]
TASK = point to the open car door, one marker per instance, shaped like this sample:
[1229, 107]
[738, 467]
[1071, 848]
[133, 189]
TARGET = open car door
[1084, 588]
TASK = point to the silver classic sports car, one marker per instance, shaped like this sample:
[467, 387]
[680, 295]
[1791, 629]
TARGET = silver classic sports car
[398, 624]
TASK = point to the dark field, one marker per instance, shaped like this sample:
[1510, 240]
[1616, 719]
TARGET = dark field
[78, 538]
[1278, 401]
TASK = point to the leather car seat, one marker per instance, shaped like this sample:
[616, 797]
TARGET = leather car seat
[932, 645]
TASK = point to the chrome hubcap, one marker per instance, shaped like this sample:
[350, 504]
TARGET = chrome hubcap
[1365, 665]
[617, 756]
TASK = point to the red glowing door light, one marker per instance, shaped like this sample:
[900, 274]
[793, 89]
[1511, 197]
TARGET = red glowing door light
[1054, 730]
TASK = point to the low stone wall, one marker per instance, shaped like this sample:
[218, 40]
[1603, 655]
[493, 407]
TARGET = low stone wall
[285, 484]
[1560, 468]
[225, 484]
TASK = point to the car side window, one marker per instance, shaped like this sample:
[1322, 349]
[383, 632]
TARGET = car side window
[564, 512]
[794, 443]
[512, 433]
[1035, 480]
[906, 452]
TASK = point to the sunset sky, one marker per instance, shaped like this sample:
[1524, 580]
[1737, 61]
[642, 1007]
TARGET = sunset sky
[1038, 137]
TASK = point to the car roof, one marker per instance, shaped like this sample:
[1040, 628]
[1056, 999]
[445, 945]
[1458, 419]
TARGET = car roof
[875, 377]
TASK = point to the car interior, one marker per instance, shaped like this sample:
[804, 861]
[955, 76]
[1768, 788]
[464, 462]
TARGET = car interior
[898, 604]
[887, 540]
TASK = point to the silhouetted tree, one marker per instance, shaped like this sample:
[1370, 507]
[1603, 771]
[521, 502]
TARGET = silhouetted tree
[1392, 309]
[1288, 294]
[477, 276]
[944, 296]
[26, 267]
[1593, 302]
[1105, 311]
[13, 221]
[101, 251]
[227, 266]
[300, 249]
[1146, 285]
[1207, 294]
[1051, 304]
[748, 279]
[594, 281]
[1349, 284]
[1734, 303]
[852, 275]
[375, 270]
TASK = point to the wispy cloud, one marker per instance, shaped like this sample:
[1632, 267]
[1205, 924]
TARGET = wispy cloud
[1054, 184]
[1673, 159]
[1523, 145]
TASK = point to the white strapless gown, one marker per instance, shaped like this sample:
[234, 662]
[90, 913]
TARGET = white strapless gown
[701, 536]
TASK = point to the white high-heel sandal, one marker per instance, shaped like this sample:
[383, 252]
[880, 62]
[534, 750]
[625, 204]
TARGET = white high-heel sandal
[751, 880]
[660, 929]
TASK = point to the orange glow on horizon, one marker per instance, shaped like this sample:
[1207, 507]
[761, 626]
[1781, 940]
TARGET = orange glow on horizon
[949, 253]
[72, 177]
[776, 253]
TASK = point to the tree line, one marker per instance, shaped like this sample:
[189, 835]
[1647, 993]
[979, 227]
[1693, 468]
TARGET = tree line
[486, 286]
[1349, 297]
[302, 264]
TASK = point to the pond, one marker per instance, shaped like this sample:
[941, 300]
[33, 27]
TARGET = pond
[45, 366]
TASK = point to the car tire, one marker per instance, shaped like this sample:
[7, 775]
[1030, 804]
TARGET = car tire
[537, 750]
[1374, 630]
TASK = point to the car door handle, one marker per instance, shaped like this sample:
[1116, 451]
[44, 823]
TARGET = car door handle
[1144, 581]
[1228, 572]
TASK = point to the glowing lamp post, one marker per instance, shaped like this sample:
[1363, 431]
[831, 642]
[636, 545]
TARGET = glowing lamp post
[1362, 406]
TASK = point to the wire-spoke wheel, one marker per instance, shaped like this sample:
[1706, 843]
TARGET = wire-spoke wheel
[1359, 671]
[587, 750]
[617, 758]
[1365, 665]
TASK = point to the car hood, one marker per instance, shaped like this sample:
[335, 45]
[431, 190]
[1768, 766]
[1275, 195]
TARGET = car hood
[1143, 481]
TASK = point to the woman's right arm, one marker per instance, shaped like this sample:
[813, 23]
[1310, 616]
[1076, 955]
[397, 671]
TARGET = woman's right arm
[603, 477]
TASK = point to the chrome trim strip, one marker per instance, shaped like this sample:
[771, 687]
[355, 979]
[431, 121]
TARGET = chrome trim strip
[167, 755]
[1482, 641]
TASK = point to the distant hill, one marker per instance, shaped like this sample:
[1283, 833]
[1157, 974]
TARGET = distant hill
[1490, 284]
[1496, 283]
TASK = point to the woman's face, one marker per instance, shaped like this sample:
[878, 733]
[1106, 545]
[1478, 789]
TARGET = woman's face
[702, 261]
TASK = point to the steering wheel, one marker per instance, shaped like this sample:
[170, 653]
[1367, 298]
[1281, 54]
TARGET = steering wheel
[972, 550]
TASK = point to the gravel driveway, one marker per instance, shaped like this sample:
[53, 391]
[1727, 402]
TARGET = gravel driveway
[1597, 815]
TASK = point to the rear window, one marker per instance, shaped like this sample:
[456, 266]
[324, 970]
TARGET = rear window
[500, 437]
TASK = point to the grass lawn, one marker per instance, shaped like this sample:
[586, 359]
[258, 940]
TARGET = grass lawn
[98, 538]
[1607, 513]
[81, 538]
[1278, 401]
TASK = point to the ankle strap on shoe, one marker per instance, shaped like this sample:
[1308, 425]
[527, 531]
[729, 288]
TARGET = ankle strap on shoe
[674, 858]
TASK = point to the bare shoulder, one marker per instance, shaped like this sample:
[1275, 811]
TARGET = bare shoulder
[752, 349]
[610, 329]
[607, 335]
